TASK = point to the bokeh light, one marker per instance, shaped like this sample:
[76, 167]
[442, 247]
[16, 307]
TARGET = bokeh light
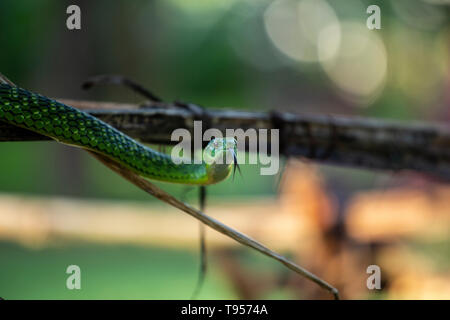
[296, 27]
[360, 66]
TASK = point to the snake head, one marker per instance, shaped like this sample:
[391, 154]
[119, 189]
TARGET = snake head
[220, 155]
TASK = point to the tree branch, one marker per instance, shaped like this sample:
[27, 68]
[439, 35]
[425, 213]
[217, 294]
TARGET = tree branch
[340, 140]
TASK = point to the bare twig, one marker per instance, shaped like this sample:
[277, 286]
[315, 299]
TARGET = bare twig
[203, 253]
[4, 79]
[120, 80]
[151, 189]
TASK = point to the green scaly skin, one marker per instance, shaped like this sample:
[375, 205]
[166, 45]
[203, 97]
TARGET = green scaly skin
[71, 126]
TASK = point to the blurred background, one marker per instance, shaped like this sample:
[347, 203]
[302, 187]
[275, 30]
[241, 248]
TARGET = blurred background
[58, 206]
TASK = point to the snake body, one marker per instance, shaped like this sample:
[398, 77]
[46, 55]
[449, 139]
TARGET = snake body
[74, 127]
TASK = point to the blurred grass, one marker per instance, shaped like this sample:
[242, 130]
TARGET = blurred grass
[107, 272]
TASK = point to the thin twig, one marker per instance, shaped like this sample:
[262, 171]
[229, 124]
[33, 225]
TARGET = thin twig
[4, 79]
[202, 242]
[120, 80]
[153, 190]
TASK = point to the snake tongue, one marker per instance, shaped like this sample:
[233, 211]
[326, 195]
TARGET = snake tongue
[236, 164]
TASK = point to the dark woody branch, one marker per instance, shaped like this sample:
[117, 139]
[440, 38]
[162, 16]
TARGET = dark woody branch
[340, 140]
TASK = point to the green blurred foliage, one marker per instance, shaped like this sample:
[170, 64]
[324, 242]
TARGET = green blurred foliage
[107, 272]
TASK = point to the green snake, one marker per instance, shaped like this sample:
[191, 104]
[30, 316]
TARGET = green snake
[74, 127]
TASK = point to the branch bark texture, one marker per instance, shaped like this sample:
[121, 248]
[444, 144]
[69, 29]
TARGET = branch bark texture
[348, 141]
